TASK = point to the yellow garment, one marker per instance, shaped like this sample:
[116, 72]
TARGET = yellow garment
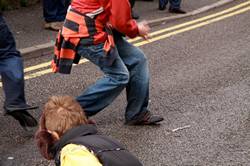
[78, 155]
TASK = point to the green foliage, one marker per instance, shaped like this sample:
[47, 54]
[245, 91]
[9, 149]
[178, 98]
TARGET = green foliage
[24, 3]
[14, 4]
[4, 5]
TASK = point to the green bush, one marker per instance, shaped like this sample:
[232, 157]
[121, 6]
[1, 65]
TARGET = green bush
[4, 4]
[15, 4]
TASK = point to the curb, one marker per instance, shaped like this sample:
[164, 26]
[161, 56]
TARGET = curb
[37, 50]
[47, 48]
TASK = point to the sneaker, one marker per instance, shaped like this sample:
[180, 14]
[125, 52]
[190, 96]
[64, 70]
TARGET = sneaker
[146, 119]
[25, 119]
[177, 11]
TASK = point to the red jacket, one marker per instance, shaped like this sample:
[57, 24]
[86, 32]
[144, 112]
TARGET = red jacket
[116, 12]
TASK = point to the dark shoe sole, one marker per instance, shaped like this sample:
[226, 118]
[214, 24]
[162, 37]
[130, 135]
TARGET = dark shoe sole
[146, 119]
[28, 107]
[155, 122]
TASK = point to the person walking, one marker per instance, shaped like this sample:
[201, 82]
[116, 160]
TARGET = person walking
[87, 32]
[11, 70]
[175, 6]
[54, 12]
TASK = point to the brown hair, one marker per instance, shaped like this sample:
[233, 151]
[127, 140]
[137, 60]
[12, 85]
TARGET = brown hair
[60, 114]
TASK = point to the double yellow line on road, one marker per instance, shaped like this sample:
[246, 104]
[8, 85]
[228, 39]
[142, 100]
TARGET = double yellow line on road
[158, 35]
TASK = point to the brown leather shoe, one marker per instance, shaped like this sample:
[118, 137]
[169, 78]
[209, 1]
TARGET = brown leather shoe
[146, 119]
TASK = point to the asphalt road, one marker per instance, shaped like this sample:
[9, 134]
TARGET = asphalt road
[200, 83]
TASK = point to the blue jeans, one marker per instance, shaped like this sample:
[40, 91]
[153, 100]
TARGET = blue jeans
[129, 70]
[174, 4]
[11, 69]
[55, 10]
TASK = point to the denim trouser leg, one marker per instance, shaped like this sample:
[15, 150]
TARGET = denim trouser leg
[175, 4]
[138, 87]
[62, 9]
[132, 3]
[163, 3]
[13, 82]
[106, 89]
[55, 10]
[11, 68]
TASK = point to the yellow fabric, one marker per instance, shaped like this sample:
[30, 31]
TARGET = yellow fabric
[78, 155]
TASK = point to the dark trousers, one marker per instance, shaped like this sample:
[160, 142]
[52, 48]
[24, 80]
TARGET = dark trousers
[132, 3]
[174, 4]
[11, 69]
[55, 10]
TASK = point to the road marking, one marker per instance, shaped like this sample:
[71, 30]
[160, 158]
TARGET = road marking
[46, 64]
[194, 21]
[43, 72]
[193, 27]
[42, 65]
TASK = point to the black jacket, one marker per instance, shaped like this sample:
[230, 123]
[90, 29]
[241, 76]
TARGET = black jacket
[107, 150]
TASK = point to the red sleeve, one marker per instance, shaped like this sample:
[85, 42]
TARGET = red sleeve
[121, 18]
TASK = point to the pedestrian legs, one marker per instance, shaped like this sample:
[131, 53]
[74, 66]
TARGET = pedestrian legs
[54, 12]
[133, 13]
[11, 70]
[13, 83]
[175, 4]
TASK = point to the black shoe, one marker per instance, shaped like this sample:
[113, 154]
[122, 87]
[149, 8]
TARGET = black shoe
[24, 118]
[17, 108]
[135, 15]
[163, 7]
[177, 11]
[146, 119]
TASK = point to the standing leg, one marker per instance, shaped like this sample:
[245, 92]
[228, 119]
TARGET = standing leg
[138, 86]
[51, 8]
[13, 82]
[163, 4]
[134, 14]
[11, 69]
[62, 7]
[132, 3]
[175, 7]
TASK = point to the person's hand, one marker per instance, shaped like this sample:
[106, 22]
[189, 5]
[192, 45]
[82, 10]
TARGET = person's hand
[143, 29]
